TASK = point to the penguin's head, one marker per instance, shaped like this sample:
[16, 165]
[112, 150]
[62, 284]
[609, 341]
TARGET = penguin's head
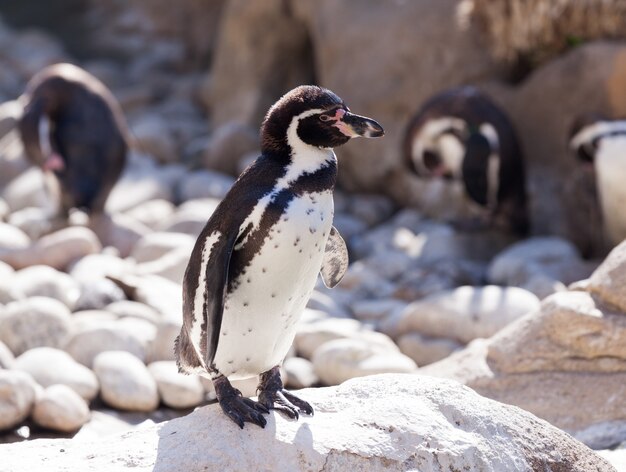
[437, 148]
[585, 134]
[312, 116]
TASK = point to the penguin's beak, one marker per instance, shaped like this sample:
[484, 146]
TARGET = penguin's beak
[354, 126]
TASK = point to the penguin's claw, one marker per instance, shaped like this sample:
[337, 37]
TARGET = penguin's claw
[303, 406]
[273, 396]
[241, 409]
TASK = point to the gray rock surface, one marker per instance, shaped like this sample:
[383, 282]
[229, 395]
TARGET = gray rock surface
[379, 423]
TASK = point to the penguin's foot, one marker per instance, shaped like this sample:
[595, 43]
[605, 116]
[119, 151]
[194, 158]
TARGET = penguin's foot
[237, 407]
[273, 396]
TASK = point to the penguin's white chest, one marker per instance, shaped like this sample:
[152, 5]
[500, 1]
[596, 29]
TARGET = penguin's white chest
[610, 165]
[260, 315]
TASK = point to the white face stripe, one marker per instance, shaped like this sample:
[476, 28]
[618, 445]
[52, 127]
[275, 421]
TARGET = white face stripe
[195, 332]
[589, 133]
[610, 167]
[489, 132]
[44, 136]
[428, 137]
[452, 151]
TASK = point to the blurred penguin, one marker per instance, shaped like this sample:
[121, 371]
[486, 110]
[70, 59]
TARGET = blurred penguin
[460, 134]
[73, 128]
[600, 147]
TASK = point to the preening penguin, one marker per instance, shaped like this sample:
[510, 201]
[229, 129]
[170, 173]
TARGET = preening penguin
[73, 128]
[461, 134]
[255, 264]
[600, 146]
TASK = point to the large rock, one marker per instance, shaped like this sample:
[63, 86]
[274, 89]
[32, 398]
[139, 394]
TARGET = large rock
[565, 363]
[27, 190]
[176, 390]
[379, 423]
[35, 322]
[49, 366]
[609, 281]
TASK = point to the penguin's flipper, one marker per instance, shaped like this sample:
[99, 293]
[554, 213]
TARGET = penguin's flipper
[335, 261]
[204, 290]
[475, 168]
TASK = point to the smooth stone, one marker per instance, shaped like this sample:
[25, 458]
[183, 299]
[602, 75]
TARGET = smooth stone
[342, 359]
[98, 294]
[90, 319]
[154, 137]
[190, 217]
[125, 382]
[170, 266]
[27, 190]
[17, 396]
[129, 308]
[12, 238]
[467, 312]
[35, 322]
[93, 340]
[310, 336]
[176, 390]
[44, 281]
[35, 222]
[376, 310]
[8, 290]
[167, 330]
[153, 246]
[57, 250]
[95, 267]
[7, 359]
[370, 208]
[331, 306]
[50, 366]
[119, 231]
[425, 350]
[300, 373]
[61, 409]
[152, 213]
[157, 292]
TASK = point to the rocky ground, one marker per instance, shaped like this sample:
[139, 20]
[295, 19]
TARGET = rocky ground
[88, 313]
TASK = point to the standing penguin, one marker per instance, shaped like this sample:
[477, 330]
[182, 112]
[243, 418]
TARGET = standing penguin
[600, 146]
[256, 262]
[73, 127]
[461, 134]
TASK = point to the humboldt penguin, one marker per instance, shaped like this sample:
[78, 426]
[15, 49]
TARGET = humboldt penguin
[73, 128]
[600, 146]
[461, 134]
[255, 263]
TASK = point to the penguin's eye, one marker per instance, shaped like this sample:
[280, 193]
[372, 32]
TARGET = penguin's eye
[324, 118]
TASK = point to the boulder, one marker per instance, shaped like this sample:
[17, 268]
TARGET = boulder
[60, 408]
[125, 382]
[550, 362]
[379, 423]
[50, 366]
[17, 396]
[35, 322]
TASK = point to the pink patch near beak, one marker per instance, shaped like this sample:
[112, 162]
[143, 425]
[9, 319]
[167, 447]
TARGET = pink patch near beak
[54, 162]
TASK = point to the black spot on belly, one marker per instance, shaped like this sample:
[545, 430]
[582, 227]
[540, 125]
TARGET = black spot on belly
[273, 295]
[230, 362]
[309, 211]
[245, 303]
[247, 359]
[300, 251]
[249, 330]
[264, 270]
[275, 246]
[249, 280]
[312, 230]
